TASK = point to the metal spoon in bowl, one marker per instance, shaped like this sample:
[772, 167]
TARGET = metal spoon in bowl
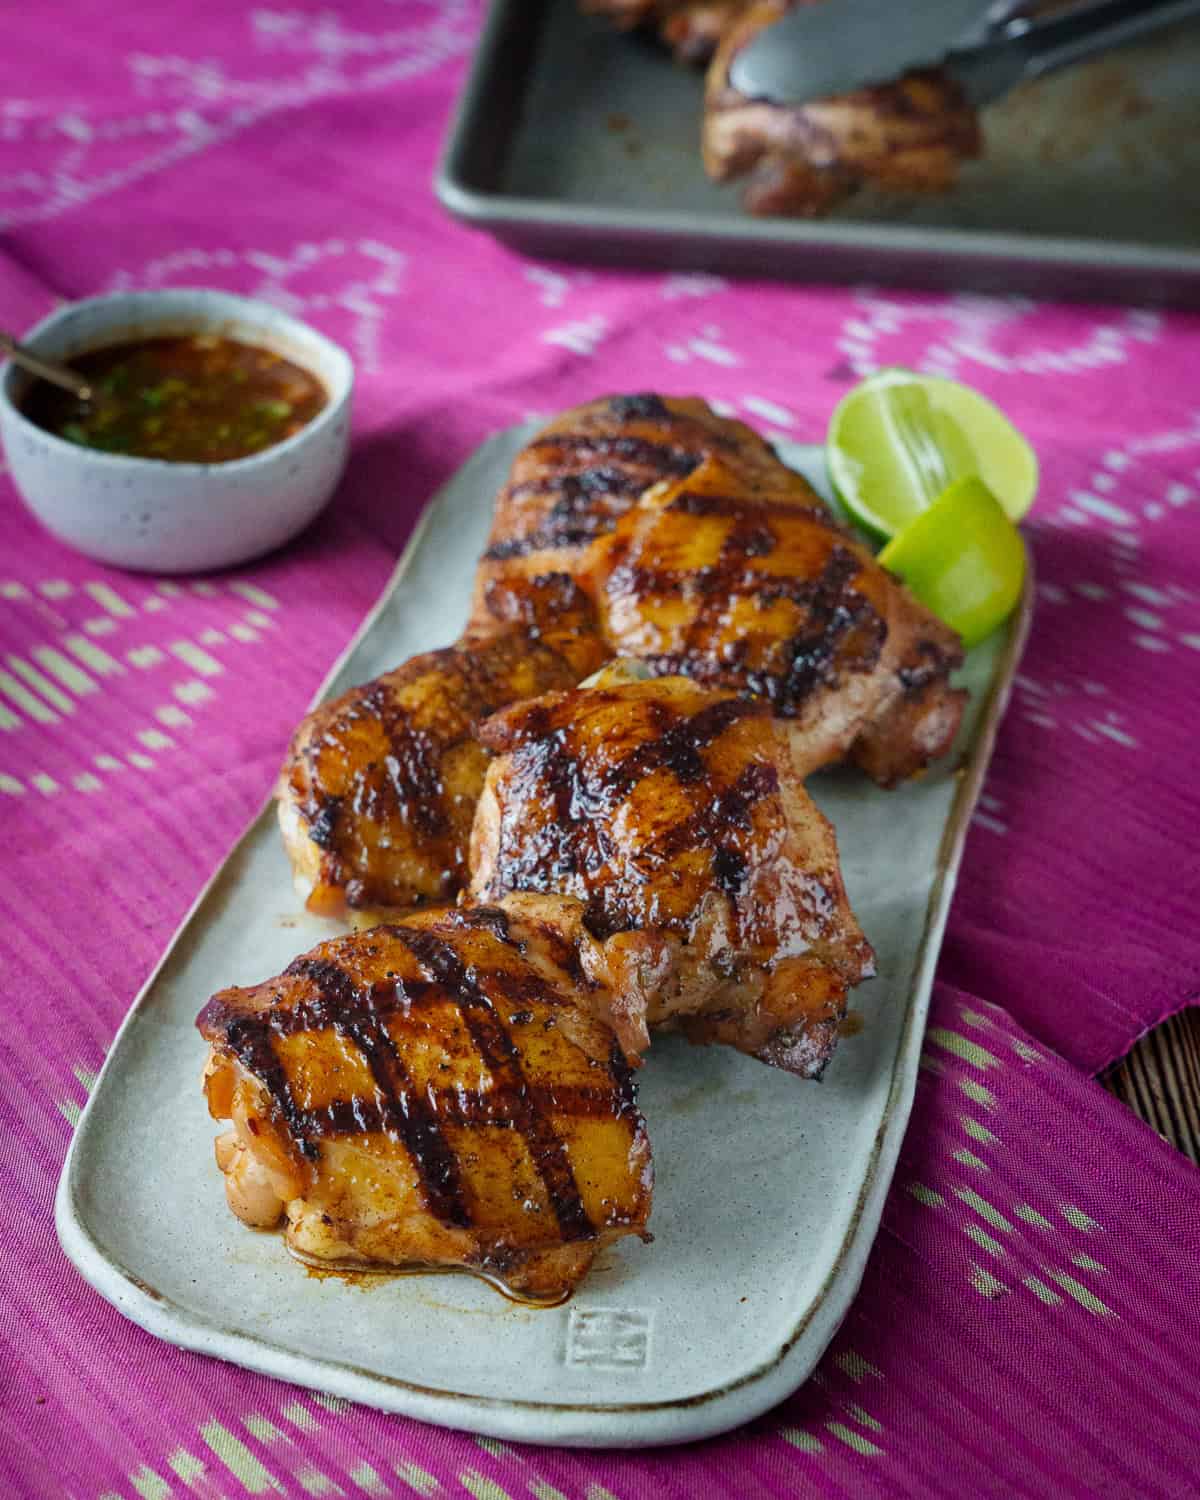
[45, 369]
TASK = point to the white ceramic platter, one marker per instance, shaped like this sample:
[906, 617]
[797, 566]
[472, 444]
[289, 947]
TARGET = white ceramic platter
[769, 1190]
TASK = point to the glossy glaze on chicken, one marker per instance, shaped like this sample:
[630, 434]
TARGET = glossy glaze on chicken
[763, 592]
[433, 1094]
[379, 790]
[574, 480]
[709, 881]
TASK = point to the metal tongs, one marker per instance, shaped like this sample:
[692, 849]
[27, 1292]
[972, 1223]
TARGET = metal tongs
[818, 51]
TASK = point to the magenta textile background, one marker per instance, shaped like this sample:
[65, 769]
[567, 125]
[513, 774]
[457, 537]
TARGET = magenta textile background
[1030, 1320]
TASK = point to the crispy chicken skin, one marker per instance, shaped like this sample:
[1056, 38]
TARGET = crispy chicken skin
[766, 593]
[573, 481]
[909, 135]
[379, 789]
[708, 879]
[432, 1094]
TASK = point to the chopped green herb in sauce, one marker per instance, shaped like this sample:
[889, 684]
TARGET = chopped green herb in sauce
[201, 399]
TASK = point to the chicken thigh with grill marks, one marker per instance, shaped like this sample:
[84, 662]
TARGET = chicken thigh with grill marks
[708, 879]
[766, 593]
[379, 789]
[571, 483]
[435, 1094]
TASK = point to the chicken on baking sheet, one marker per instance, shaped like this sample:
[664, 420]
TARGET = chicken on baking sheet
[709, 883]
[435, 1094]
[910, 135]
[379, 789]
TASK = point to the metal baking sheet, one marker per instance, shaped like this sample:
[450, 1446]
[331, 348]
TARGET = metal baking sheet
[769, 1190]
[574, 141]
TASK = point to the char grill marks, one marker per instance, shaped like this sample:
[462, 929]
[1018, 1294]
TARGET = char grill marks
[599, 794]
[474, 966]
[400, 1107]
[367, 776]
[359, 1013]
[585, 482]
[727, 569]
[384, 780]
[574, 480]
[676, 818]
[405, 779]
[250, 1040]
[583, 502]
[730, 808]
[742, 591]
[503, 1059]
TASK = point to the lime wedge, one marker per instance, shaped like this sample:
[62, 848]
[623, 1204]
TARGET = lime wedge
[963, 559]
[899, 439]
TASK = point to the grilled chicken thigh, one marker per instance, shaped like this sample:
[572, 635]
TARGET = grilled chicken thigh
[432, 1094]
[708, 879]
[766, 593]
[379, 789]
[911, 134]
[573, 481]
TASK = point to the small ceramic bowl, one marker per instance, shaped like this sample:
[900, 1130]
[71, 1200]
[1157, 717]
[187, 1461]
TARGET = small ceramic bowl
[167, 517]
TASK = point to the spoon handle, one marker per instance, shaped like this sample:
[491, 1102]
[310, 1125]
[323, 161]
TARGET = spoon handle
[56, 374]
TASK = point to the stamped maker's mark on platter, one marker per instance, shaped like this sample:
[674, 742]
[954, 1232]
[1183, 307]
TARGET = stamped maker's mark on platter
[608, 1338]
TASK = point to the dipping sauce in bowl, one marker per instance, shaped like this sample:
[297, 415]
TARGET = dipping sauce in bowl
[218, 428]
[202, 399]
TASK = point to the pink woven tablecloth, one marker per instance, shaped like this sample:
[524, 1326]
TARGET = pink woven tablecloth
[1030, 1320]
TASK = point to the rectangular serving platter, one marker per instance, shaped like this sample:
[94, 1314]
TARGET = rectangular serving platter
[769, 1189]
[574, 141]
